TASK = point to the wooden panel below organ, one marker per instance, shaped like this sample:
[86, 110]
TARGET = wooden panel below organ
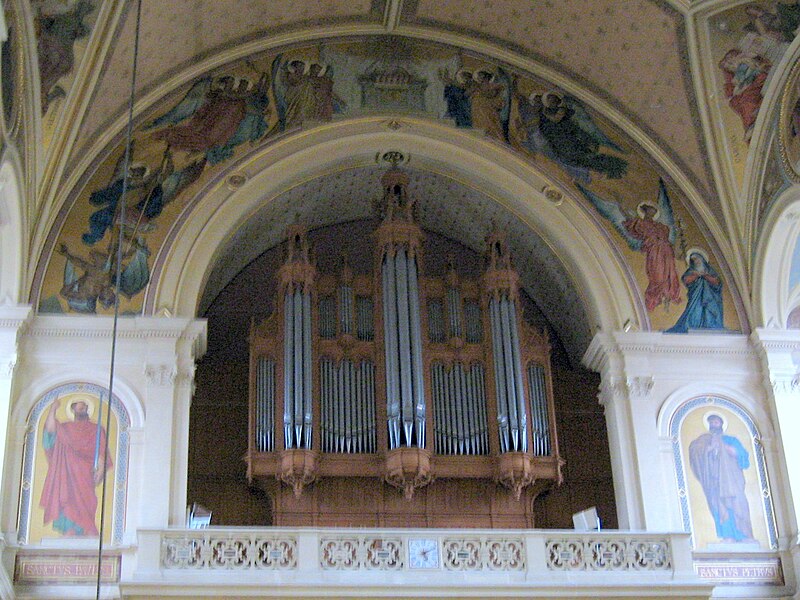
[368, 502]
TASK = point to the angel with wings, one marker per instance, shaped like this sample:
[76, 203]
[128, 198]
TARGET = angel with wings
[215, 116]
[653, 232]
[571, 135]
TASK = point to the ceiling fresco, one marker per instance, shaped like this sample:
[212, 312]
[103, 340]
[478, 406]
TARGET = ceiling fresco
[63, 29]
[216, 27]
[747, 43]
[201, 129]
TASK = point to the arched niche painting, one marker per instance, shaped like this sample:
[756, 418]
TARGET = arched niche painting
[723, 486]
[62, 478]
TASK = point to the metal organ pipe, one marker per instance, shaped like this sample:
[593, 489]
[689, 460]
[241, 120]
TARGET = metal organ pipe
[391, 350]
[500, 379]
[265, 405]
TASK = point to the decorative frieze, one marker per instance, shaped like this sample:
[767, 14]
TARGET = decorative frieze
[608, 554]
[208, 550]
[484, 554]
[361, 552]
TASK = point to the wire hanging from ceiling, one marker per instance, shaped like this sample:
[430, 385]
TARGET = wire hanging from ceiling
[120, 217]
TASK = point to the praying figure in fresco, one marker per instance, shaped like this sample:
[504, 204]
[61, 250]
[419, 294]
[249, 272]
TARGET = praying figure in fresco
[718, 461]
[215, 116]
[303, 92]
[703, 295]
[56, 34]
[74, 468]
[481, 100]
[744, 77]
[459, 106]
[560, 128]
[653, 232]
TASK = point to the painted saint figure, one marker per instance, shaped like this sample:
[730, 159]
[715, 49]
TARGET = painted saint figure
[704, 295]
[56, 36]
[718, 461]
[74, 469]
[744, 77]
[652, 232]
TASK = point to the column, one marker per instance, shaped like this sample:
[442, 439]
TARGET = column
[780, 355]
[13, 319]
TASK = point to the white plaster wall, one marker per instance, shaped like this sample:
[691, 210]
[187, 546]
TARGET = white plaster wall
[153, 379]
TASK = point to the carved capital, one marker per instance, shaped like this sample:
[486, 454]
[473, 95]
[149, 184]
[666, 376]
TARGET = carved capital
[611, 389]
[785, 385]
[160, 375]
[639, 387]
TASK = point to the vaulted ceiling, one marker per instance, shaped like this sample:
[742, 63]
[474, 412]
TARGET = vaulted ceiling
[648, 69]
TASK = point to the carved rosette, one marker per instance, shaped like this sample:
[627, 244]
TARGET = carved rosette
[408, 469]
[515, 472]
[299, 468]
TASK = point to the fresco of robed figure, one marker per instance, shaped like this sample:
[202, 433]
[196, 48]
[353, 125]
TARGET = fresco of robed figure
[722, 482]
[69, 468]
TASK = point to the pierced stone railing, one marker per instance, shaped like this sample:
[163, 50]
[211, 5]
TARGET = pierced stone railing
[516, 562]
[225, 549]
[579, 553]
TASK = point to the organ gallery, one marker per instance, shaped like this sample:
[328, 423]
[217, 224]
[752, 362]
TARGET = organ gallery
[399, 397]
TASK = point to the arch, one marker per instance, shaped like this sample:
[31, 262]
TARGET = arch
[598, 271]
[12, 228]
[773, 297]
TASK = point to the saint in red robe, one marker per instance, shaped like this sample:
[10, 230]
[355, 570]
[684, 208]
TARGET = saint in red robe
[68, 497]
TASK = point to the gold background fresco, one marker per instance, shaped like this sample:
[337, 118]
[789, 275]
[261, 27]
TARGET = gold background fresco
[38, 530]
[424, 60]
[703, 527]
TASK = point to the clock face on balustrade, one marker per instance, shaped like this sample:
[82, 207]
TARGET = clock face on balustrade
[423, 554]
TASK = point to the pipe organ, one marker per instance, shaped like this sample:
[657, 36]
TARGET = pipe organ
[435, 385]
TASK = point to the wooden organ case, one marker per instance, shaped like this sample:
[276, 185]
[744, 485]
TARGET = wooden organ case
[397, 399]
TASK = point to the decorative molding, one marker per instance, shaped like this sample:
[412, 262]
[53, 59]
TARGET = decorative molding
[221, 551]
[785, 385]
[639, 387]
[634, 388]
[361, 553]
[161, 375]
[608, 554]
[484, 554]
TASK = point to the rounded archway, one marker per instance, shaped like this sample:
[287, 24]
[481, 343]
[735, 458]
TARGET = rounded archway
[214, 230]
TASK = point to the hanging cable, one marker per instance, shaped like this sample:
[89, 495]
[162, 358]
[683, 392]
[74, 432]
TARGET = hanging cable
[120, 210]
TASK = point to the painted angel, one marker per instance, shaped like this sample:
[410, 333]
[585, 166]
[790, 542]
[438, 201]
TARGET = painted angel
[574, 137]
[652, 232]
[215, 116]
[303, 91]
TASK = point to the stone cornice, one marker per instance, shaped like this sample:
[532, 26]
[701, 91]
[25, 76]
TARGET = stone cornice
[192, 331]
[604, 345]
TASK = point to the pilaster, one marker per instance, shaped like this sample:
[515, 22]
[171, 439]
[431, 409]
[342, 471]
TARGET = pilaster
[779, 351]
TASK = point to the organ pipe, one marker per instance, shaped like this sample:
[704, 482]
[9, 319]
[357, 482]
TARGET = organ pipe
[502, 289]
[400, 240]
[297, 279]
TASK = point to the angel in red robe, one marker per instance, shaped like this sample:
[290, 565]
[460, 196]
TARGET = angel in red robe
[653, 233]
[68, 497]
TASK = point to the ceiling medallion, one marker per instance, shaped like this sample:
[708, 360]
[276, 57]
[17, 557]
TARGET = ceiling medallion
[553, 195]
[236, 181]
[392, 157]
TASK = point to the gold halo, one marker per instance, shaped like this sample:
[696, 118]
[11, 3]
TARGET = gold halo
[715, 413]
[88, 399]
[640, 210]
[699, 251]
